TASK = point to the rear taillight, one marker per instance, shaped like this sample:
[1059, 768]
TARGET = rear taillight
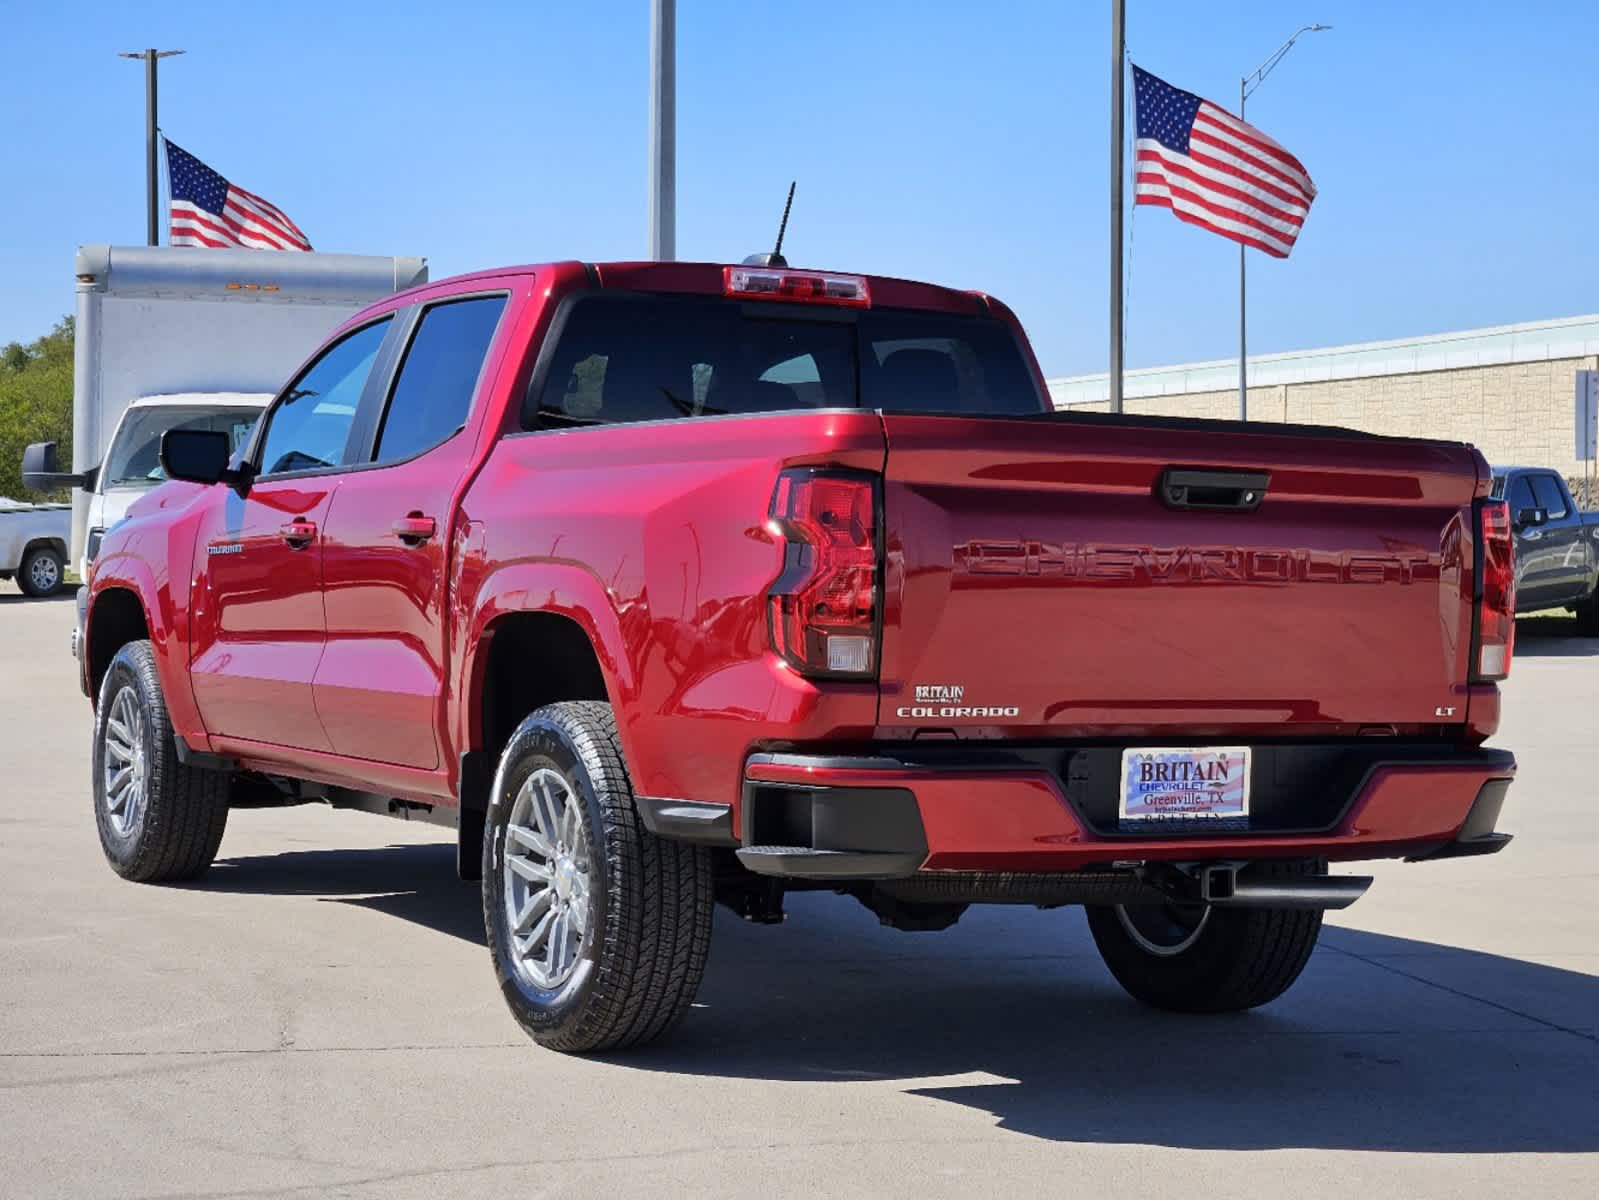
[824, 605]
[1496, 593]
[806, 287]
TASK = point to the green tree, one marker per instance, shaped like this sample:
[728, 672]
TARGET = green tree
[35, 402]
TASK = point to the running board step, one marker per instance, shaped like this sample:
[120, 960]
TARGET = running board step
[805, 862]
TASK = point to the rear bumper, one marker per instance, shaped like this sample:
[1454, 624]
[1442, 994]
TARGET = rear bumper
[881, 817]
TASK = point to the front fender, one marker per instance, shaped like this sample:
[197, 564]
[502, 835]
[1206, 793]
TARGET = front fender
[164, 619]
[151, 555]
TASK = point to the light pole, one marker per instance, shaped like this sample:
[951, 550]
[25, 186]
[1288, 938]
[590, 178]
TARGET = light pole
[663, 129]
[1247, 87]
[150, 57]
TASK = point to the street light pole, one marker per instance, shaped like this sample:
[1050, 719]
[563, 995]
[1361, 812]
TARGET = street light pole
[152, 192]
[1258, 76]
[663, 129]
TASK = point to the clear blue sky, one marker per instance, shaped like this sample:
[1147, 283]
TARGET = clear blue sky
[958, 142]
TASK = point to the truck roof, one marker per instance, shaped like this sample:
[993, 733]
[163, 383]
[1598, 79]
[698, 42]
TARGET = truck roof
[706, 278]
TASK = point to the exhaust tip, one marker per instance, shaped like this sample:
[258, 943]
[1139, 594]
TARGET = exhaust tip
[1309, 892]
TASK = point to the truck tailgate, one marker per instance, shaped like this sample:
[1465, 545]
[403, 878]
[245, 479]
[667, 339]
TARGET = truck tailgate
[1041, 582]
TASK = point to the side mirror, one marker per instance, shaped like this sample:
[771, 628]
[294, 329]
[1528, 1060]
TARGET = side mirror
[41, 473]
[1530, 517]
[197, 455]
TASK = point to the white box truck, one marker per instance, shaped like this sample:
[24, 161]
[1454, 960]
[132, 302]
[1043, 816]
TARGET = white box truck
[174, 335]
[169, 336]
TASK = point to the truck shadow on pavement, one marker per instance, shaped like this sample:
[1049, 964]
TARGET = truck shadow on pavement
[1552, 637]
[1387, 1043]
[415, 883]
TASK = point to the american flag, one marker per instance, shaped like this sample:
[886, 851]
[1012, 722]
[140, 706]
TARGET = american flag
[1213, 170]
[209, 211]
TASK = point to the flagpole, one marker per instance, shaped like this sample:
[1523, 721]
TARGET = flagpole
[1259, 76]
[151, 158]
[1243, 319]
[1118, 108]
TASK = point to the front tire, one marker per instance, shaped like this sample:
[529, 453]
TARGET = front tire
[1198, 958]
[1587, 612]
[41, 573]
[159, 820]
[598, 929]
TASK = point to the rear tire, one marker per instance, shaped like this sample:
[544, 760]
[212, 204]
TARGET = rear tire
[1202, 959]
[42, 573]
[159, 820]
[598, 929]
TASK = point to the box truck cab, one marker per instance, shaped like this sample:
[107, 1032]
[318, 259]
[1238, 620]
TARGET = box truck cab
[132, 463]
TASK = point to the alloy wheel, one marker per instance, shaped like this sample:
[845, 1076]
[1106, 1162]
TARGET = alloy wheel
[546, 880]
[126, 767]
[44, 573]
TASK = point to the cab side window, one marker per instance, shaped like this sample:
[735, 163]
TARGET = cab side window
[1548, 493]
[433, 393]
[308, 428]
[1520, 496]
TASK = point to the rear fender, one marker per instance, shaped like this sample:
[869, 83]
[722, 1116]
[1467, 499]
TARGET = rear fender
[534, 587]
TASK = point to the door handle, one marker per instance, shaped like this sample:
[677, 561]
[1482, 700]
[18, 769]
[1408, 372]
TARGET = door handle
[298, 532]
[415, 529]
[1532, 535]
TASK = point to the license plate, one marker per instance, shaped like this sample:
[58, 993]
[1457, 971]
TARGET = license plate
[1208, 783]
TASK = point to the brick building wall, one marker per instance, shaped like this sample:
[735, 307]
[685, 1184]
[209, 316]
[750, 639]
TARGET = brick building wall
[1521, 412]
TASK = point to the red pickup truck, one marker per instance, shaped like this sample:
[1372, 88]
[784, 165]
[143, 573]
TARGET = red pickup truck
[668, 584]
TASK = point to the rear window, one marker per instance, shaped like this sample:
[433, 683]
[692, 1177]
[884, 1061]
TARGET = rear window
[651, 358]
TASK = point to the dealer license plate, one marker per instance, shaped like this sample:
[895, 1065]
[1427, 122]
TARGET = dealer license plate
[1161, 784]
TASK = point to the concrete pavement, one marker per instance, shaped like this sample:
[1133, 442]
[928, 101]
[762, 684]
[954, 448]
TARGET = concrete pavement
[318, 1018]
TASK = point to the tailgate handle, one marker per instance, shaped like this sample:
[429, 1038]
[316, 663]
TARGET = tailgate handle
[1212, 491]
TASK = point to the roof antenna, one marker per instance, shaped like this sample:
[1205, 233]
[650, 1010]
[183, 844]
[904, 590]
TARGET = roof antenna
[775, 258]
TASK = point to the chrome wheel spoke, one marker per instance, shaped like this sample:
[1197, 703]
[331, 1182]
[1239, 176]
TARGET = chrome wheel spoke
[556, 960]
[533, 872]
[117, 789]
[580, 908]
[537, 936]
[537, 904]
[529, 840]
[549, 811]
